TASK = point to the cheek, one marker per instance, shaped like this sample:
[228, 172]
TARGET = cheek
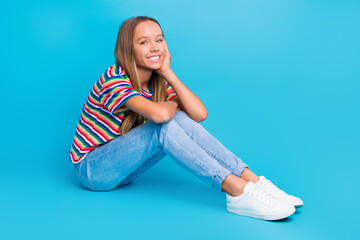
[140, 54]
[137, 56]
[162, 48]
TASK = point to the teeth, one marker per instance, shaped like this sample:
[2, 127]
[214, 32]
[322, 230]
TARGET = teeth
[154, 58]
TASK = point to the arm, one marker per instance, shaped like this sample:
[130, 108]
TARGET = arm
[186, 99]
[158, 112]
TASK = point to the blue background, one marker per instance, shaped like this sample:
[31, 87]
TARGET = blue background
[280, 80]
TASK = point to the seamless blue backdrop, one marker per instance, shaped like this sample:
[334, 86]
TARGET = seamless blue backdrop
[280, 80]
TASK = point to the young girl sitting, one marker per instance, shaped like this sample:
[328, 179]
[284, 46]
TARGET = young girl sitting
[139, 111]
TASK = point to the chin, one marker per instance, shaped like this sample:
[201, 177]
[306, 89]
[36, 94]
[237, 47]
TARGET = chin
[155, 67]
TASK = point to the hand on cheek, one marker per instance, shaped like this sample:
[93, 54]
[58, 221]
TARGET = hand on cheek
[165, 64]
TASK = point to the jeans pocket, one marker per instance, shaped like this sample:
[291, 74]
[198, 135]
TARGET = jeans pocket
[80, 168]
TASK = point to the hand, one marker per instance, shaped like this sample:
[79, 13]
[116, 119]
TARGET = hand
[165, 64]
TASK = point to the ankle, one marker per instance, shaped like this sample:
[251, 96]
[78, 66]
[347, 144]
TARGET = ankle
[255, 179]
[248, 176]
[235, 192]
[233, 185]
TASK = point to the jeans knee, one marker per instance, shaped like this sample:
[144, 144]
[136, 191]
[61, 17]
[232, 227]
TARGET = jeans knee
[181, 115]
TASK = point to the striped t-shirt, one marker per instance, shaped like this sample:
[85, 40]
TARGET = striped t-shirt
[104, 111]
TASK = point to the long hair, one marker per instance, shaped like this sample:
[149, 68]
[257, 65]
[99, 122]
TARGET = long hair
[125, 57]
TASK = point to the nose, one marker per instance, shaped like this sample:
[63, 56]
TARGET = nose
[154, 47]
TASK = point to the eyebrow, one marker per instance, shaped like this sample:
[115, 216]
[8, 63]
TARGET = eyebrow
[147, 36]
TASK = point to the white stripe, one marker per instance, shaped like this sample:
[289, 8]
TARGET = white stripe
[107, 73]
[93, 105]
[97, 133]
[83, 138]
[79, 159]
[98, 120]
[116, 74]
[79, 150]
[92, 90]
[123, 100]
[120, 84]
[104, 110]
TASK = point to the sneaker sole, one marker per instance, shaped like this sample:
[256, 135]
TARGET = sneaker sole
[263, 217]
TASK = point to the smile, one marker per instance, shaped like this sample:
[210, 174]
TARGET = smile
[155, 59]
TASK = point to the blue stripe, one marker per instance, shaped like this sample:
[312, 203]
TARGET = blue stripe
[101, 111]
[97, 122]
[76, 150]
[87, 144]
[89, 130]
[118, 85]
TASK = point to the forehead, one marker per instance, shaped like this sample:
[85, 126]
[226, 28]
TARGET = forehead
[147, 29]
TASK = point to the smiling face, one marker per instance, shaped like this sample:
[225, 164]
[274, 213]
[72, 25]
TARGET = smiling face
[148, 42]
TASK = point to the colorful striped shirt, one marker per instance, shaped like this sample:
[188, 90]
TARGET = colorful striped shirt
[104, 111]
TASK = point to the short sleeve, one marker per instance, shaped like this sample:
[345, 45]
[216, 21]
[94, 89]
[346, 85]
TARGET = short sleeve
[170, 93]
[115, 92]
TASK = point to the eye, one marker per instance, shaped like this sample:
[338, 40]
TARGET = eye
[142, 42]
[160, 40]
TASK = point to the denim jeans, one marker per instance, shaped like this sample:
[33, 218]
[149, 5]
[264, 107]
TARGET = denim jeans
[124, 158]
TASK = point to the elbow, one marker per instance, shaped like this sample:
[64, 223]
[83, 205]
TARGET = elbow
[202, 116]
[161, 116]
[205, 115]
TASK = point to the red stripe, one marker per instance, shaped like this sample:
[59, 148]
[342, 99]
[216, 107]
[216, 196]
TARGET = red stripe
[79, 145]
[94, 127]
[96, 103]
[111, 83]
[111, 70]
[74, 158]
[102, 79]
[85, 135]
[105, 98]
[96, 90]
[171, 97]
[103, 119]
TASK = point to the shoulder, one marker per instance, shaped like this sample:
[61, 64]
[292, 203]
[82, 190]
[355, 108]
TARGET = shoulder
[115, 71]
[114, 74]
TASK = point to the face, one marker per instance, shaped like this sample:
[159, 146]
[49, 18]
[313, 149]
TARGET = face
[148, 42]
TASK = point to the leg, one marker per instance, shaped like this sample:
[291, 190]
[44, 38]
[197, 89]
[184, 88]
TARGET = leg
[234, 185]
[122, 159]
[108, 165]
[184, 138]
[145, 166]
[126, 157]
[210, 144]
[248, 175]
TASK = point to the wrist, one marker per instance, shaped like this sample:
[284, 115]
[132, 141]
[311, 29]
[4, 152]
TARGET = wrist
[168, 75]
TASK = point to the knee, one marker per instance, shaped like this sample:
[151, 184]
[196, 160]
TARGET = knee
[181, 115]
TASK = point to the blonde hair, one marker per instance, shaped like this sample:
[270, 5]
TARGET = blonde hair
[125, 57]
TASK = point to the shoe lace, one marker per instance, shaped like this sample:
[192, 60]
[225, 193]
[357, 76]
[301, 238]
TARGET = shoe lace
[267, 183]
[260, 194]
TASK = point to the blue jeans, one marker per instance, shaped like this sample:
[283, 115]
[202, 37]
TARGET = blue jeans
[124, 158]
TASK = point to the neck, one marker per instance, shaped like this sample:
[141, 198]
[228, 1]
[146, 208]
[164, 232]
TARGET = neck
[144, 76]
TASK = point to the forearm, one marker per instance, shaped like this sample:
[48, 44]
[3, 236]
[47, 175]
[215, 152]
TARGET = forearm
[189, 102]
[167, 111]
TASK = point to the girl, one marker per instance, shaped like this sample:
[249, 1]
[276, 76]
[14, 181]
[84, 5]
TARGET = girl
[139, 111]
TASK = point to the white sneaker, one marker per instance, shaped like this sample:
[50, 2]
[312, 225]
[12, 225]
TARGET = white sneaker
[254, 202]
[275, 192]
